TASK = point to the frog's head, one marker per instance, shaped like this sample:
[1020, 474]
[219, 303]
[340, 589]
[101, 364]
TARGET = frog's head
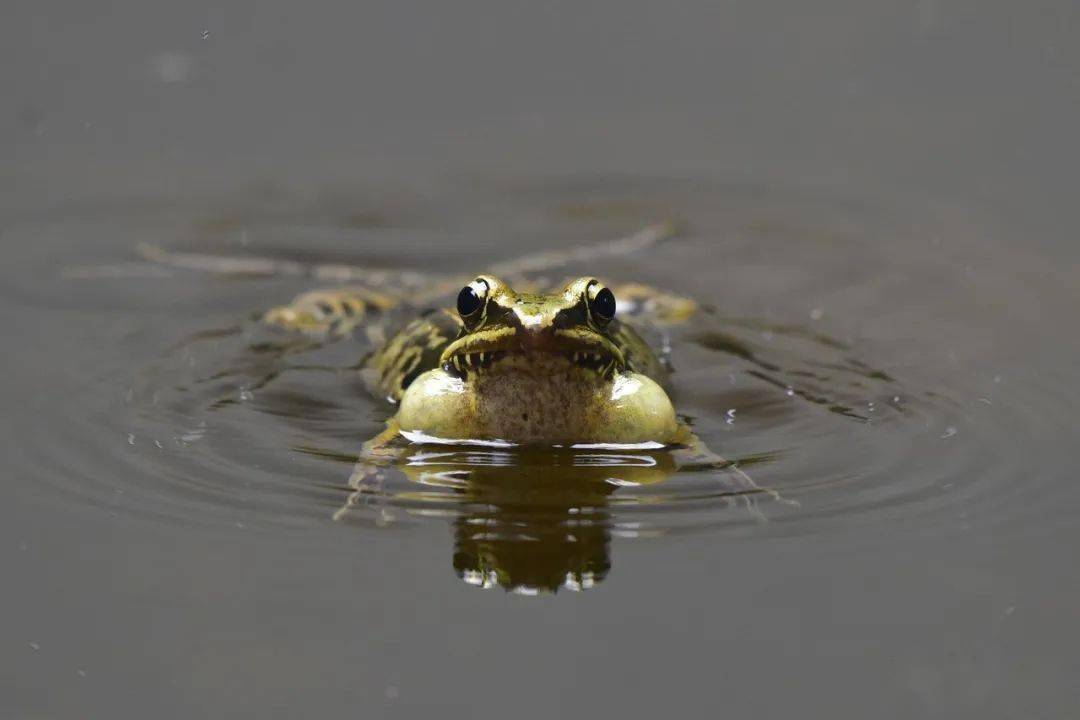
[539, 369]
[569, 327]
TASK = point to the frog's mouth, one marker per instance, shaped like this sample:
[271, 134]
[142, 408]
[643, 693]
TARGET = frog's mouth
[490, 351]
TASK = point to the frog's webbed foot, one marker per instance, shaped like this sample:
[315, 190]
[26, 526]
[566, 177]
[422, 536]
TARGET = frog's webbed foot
[696, 455]
[333, 312]
[366, 480]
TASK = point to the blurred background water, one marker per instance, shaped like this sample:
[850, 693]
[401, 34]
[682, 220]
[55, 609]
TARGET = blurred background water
[896, 178]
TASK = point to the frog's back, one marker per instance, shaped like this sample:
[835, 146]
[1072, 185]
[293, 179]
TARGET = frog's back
[411, 351]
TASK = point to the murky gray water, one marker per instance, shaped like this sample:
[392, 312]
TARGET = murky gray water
[886, 247]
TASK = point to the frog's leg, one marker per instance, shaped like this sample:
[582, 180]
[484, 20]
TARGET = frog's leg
[337, 311]
[333, 312]
[694, 454]
[583, 255]
[652, 306]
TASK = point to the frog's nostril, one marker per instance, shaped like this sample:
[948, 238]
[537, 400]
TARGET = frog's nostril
[532, 338]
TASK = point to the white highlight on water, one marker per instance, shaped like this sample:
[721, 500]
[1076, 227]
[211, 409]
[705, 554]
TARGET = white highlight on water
[647, 445]
[422, 438]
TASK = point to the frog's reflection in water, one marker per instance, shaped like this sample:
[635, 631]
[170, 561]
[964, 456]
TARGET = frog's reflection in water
[535, 521]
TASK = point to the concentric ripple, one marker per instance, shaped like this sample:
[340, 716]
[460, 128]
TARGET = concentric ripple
[858, 369]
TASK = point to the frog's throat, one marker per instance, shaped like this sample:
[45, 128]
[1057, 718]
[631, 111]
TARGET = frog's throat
[482, 351]
[537, 401]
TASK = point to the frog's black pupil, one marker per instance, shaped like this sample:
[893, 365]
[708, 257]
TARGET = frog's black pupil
[604, 304]
[468, 301]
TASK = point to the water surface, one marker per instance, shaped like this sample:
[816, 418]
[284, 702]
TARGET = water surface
[182, 524]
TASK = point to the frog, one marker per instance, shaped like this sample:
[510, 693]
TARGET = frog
[507, 357]
[530, 397]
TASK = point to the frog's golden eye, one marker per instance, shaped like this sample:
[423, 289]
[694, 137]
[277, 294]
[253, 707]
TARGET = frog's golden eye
[601, 303]
[471, 298]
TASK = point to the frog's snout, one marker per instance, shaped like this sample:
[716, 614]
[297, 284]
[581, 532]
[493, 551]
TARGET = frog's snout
[533, 330]
[536, 339]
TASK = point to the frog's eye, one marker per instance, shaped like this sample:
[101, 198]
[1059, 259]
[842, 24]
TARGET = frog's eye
[471, 298]
[601, 303]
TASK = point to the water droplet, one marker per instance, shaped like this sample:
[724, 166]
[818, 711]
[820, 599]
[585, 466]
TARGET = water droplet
[730, 416]
[205, 34]
[131, 438]
[246, 395]
[949, 432]
[790, 392]
[817, 314]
